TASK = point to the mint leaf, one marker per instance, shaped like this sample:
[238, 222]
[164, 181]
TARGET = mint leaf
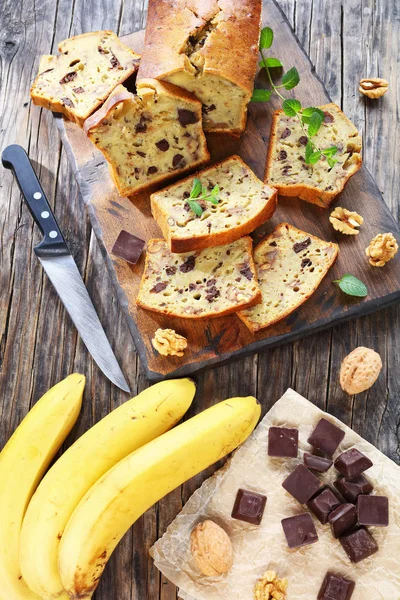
[331, 162]
[271, 62]
[266, 38]
[213, 199]
[311, 156]
[196, 188]
[291, 107]
[307, 112]
[291, 79]
[331, 151]
[261, 95]
[315, 124]
[352, 286]
[196, 208]
[215, 190]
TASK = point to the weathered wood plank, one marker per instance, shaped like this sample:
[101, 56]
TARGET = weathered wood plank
[32, 322]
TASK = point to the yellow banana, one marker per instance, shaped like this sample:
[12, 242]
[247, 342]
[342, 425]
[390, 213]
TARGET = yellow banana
[132, 486]
[23, 461]
[130, 426]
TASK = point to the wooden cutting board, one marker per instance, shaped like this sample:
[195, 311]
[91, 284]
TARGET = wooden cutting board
[214, 341]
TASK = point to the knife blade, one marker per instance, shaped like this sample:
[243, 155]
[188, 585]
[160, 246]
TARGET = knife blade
[56, 259]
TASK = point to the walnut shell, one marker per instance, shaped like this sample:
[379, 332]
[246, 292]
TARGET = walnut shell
[211, 548]
[359, 370]
[373, 87]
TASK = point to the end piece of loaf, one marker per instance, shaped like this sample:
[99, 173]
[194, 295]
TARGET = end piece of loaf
[208, 283]
[319, 184]
[244, 204]
[78, 80]
[290, 266]
[209, 48]
[148, 137]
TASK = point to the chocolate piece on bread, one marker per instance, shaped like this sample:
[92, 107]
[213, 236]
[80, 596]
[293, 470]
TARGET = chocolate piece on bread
[149, 137]
[290, 266]
[209, 48]
[244, 204]
[319, 183]
[207, 283]
[78, 80]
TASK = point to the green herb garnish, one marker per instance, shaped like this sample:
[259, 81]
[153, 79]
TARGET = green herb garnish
[311, 116]
[200, 193]
[352, 286]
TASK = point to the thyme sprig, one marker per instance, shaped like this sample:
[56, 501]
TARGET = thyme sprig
[310, 118]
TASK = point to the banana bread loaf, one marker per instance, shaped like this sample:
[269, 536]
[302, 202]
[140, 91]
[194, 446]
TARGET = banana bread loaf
[148, 137]
[319, 184]
[78, 80]
[290, 266]
[210, 48]
[240, 204]
[207, 283]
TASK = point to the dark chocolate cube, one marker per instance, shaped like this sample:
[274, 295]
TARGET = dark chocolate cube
[299, 530]
[336, 587]
[128, 247]
[352, 463]
[352, 488]
[342, 519]
[301, 484]
[283, 441]
[373, 510]
[326, 437]
[249, 507]
[317, 463]
[323, 503]
[358, 544]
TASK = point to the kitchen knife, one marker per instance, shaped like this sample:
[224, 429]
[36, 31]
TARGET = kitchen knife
[61, 268]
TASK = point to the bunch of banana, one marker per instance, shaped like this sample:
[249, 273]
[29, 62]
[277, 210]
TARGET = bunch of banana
[23, 461]
[135, 423]
[138, 481]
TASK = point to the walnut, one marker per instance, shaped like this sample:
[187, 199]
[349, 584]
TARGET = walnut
[345, 221]
[168, 342]
[211, 548]
[374, 87]
[381, 249]
[270, 587]
[359, 370]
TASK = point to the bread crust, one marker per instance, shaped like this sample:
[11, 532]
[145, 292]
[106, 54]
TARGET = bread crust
[58, 106]
[234, 33]
[255, 300]
[306, 192]
[181, 245]
[171, 22]
[334, 256]
[121, 94]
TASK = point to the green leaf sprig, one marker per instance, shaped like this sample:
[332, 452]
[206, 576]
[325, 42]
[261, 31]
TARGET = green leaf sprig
[200, 193]
[310, 117]
[352, 286]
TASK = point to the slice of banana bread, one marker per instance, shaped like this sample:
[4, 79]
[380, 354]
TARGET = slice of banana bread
[243, 204]
[207, 283]
[148, 137]
[290, 266]
[78, 80]
[319, 183]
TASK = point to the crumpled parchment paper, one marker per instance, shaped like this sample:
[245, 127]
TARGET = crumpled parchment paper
[259, 548]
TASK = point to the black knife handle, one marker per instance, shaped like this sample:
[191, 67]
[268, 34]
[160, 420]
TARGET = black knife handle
[15, 158]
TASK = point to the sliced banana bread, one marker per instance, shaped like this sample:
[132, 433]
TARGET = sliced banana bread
[148, 137]
[78, 80]
[290, 266]
[239, 204]
[319, 183]
[207, 283]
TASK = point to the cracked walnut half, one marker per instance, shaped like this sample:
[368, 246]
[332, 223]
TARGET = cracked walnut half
[381, 249]
[270, 587]
[169, 343]
[346, 221]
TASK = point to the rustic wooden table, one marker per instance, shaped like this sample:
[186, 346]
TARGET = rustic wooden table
[346, 40]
